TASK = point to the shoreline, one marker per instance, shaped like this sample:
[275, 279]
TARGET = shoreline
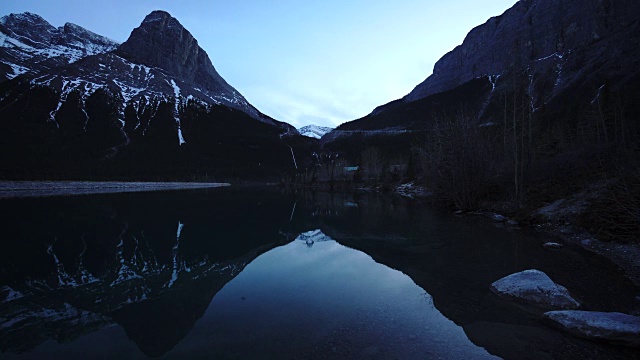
[556, 225]
[626, 256]
[29, 189]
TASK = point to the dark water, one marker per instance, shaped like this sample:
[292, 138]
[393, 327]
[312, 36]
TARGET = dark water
[261, 274]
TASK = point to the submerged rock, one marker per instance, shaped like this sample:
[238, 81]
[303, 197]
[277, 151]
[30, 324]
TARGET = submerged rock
[567, 230]
[604, 326]
[552, 245]
[536, 288]
[498, 217]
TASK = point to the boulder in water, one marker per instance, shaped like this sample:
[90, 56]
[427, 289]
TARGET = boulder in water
[536, 288]
[611, 327]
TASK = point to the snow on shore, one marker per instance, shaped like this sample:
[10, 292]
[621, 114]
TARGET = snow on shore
[13, 189]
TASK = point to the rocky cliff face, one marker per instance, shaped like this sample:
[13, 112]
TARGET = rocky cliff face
[29, 44]
[572, 64]
[532, 31]
[162, 42]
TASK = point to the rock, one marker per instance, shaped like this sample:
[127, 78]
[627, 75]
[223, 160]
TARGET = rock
[586, 242]
[536, 288]
[552, 245]
[604, 326]
[459, 212]
[498, 217]
[513, 223]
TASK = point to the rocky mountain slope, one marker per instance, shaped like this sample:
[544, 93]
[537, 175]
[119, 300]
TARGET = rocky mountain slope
[160, 59]
[153, 106]
[537, 34]
[29, 45]
[559, 56]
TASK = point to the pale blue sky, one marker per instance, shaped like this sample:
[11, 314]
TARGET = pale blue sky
[322, 62]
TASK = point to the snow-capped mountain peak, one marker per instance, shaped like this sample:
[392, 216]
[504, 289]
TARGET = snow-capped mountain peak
[162, 43]
[29, 44]
[314, 131]
[159, 55]
[158, 90]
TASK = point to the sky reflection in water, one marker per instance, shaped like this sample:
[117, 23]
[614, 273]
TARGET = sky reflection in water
[324, 300]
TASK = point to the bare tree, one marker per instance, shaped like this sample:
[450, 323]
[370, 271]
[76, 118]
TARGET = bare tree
[458, 159]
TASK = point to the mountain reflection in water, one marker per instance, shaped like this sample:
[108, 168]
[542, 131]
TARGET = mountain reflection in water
[256, 273]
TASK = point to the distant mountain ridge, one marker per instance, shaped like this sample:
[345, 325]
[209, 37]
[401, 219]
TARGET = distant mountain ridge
[314, 131]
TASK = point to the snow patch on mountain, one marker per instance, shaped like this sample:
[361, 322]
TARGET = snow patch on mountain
[176, 92]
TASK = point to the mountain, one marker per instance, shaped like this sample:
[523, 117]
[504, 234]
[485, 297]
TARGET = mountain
[182, 65]
[160, 59]
[31, 45]
[314, 131]
[559, 58]
[153, 106]
[548, 36]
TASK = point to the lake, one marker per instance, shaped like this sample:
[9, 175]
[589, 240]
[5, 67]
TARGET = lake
[259, 273]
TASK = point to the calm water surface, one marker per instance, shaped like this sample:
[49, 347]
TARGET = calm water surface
[261, 274]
